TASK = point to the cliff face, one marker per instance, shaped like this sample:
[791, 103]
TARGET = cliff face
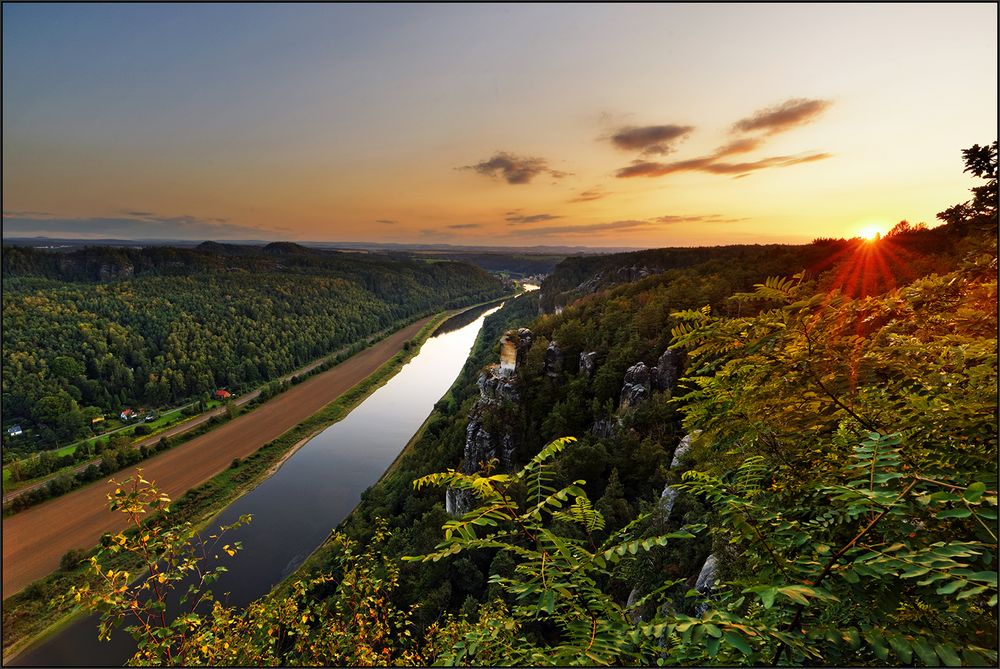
[514, 346]
[491, 433]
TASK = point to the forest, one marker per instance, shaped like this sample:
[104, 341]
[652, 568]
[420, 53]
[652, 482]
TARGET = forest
[101, 329]
[733, 456]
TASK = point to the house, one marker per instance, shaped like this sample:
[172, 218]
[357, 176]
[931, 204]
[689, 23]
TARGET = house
[222, 394]
[128, 414]
[14, 431]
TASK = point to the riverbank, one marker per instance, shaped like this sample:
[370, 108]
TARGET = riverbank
[28, 616]
[320, 555]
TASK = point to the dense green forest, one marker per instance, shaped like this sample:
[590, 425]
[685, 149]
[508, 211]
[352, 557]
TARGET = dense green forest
[101, 329]
[819, 485]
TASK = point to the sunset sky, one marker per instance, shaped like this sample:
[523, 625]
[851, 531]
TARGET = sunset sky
[595, 125]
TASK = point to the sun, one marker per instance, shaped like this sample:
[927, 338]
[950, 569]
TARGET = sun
[870, 233]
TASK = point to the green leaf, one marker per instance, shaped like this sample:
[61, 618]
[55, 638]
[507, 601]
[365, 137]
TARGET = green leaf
[923, 649]
[767, 596]
[972, 592]
[948, 655]
[712, 630]
[974, 492]
[902, 648]
[795, 593]
[950, 587]
[954, 513]
[737, 642]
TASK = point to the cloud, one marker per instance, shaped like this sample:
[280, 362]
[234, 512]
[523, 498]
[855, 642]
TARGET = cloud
[464, 226]
[671, 219]
[593, 228]
[785, 116]
[515, 218]
[514, 169]
[149, 226]
[590, 194]
[711, 165]
[770, 121]
[650, 139]
[26, 214]
[386, 221]
[744, 145]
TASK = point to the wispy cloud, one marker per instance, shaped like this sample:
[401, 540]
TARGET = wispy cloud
[670, 219]
[711, 165]
[147, 226]
[514, 169]
[386, 221]
[590, 194]
[26, 214]
[738, 146]
[464, 226]
[593, 228]
[517, 218]
[785, 116]
[650, 139]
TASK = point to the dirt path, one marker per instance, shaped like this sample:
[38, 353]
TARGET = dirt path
[35, 540]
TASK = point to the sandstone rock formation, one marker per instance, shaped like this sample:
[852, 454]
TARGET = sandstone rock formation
[635, 388]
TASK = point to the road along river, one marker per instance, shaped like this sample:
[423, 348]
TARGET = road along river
[296, 508]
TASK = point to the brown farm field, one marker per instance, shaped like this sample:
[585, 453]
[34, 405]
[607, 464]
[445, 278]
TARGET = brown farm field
[35, 540]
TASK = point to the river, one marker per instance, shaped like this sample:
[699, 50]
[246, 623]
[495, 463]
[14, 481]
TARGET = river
[296, 508]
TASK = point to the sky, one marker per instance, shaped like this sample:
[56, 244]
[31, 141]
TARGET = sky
[644, 125]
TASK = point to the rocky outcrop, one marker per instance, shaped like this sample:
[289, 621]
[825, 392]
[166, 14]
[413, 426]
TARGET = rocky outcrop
[667, 371]
[604, 428]
[634, 614]
[494, 387]
[553, 360]
[706, 581]
[588, 364]
[514, 346]
[635, 388]
[681, 449]
[667, 500]
[489, 432]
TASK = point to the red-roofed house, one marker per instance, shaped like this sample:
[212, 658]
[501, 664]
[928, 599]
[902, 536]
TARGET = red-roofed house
[222, 394]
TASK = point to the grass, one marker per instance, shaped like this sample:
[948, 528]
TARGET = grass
[28, 615]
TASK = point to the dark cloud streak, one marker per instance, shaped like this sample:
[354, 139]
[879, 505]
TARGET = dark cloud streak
[514, 218]
[650, 139]
[785, 116]
[514, 169]
[589, 195]
[151, 227]
[711, 165]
